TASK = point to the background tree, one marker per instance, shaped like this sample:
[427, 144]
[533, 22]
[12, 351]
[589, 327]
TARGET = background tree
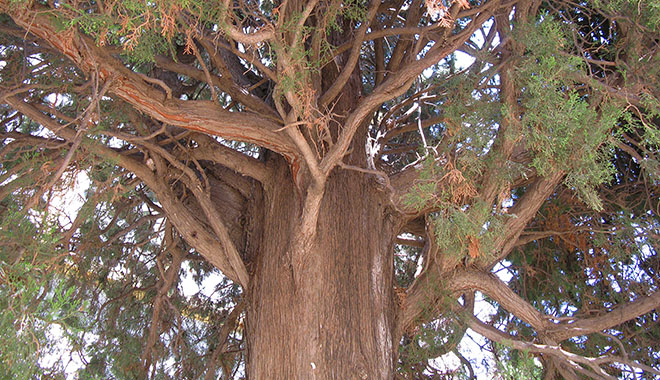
[347, 177]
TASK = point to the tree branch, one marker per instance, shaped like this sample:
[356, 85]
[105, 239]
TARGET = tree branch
[208, 208]
[233, 32]
[202, 116]
[569, 358]
[523, 211]
[228, 83]
[620, 314]
[346, 72]
[507, 298]
[167, 281]
[222, 234]
[500, 292]
[194, 232]
[593, 363]
[397, 84]
[211, 150]
[223, 337]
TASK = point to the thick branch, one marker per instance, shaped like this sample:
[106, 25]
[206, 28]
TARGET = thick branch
[523, 212]
[194, 232]
[610, 319]
[502, 294]
[203, 116]
[556, 351]
[397, 84]
[264, 34]
[202, 195]
[222, 234]
[250, 38]
[212, 150]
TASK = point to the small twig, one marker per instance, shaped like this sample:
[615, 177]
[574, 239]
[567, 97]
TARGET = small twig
[206, 71]
[158, 82]
[4, 94]
[466, 363]
[297, 123]
[380, 174]
[87, 120]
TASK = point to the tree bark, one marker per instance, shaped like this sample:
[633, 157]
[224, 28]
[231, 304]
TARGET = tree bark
[334, 318]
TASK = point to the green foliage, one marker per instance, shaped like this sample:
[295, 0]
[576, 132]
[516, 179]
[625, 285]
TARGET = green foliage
[354, 10]
[405, 265]
[424, 190]
[101, 284]
[34, 297]
[143, 29]
[471, 231]
[460, 228]
[516, 365]
[644, 12]
[557, 112]
[639, 124]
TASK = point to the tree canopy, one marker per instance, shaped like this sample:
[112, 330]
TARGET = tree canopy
[178, 175]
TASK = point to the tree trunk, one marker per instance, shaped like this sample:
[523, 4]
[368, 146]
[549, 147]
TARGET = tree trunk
[333, 319]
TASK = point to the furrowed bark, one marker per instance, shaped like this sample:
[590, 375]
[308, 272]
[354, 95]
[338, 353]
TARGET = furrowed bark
[334, 309]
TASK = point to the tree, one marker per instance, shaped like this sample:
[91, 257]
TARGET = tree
[357, 171]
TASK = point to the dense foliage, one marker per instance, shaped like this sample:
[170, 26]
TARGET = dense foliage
[519, 138]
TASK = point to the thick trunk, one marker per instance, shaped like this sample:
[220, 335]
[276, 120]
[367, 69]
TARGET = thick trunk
[333, 319]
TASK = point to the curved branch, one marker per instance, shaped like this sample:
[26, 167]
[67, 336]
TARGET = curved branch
[202, 116]
[465, 363]
[194, 232]
[571, 359]
[346, 72]
[620, 314]
[507, 298]
[250, 38]
[397, 84]
[502, 294]
[211, 150]
[233, 32]
[398, 31]
[523, 212]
